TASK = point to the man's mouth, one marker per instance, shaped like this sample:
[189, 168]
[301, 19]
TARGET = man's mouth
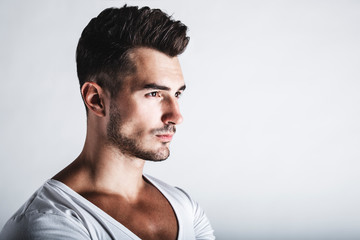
[166, 133]
[165, 137]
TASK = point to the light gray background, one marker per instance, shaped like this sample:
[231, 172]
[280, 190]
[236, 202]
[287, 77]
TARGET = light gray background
[270, 145]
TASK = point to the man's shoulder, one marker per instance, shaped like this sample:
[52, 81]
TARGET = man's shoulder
[170, 191]
[50, 199]
[163, 186]
[45, 213]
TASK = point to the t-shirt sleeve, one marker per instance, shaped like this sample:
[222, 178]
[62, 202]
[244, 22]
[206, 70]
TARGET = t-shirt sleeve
[36, 225]
[201, 224]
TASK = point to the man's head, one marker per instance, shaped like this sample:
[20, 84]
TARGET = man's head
[103, 50]
[131, 79]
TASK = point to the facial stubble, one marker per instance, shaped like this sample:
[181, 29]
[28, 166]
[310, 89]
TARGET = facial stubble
[131, 145]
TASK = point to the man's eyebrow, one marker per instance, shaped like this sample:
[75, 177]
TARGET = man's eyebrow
[182, 88]
[160, 87]
[156, 86]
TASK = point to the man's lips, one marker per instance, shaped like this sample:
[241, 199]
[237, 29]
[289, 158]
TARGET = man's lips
[165, 137]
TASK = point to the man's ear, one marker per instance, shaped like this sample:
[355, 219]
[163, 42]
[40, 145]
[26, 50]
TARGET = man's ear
[93, 96]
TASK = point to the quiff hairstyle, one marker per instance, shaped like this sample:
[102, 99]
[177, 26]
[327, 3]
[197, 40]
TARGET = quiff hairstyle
[103, 51]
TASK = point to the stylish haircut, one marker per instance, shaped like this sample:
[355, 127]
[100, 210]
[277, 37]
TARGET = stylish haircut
[102, 54]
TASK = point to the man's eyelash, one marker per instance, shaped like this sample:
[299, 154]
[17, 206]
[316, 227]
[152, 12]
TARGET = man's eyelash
[178, 94]
[153, 94]
[157, 94]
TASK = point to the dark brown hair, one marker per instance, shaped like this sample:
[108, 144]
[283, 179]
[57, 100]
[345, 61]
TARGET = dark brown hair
[102, 54]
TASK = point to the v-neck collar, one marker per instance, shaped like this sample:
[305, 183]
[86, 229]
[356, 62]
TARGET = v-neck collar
[109, 218]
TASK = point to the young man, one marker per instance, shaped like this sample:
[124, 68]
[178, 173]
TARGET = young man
[130, 81]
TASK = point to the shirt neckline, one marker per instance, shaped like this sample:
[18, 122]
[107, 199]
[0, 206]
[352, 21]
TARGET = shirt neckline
[109, 218]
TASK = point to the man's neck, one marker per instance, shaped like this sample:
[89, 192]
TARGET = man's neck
[105, 170]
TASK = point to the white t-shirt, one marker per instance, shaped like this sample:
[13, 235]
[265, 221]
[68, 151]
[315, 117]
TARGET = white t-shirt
[55, 211]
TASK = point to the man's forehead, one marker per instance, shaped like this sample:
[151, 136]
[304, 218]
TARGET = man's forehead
[155, 68]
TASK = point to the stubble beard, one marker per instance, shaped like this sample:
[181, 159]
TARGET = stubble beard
[131, 145]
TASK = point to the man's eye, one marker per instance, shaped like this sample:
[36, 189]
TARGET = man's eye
[153, 94]
[178, 94]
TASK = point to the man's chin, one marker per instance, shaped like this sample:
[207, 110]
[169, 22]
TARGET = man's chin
[158, 156]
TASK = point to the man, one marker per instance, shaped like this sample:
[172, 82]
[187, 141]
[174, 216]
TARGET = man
[130, 81]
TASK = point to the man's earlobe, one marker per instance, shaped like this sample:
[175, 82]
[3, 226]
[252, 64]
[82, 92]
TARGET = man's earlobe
[93, 97]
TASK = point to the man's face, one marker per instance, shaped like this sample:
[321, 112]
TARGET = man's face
[144, 113]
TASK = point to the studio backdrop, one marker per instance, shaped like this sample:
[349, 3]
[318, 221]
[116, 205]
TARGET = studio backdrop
[270, 143]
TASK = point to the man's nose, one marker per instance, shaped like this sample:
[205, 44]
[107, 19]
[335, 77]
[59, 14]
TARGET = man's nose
[171, 114]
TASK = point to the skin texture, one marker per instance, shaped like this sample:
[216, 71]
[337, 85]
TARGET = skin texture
[123, 132]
